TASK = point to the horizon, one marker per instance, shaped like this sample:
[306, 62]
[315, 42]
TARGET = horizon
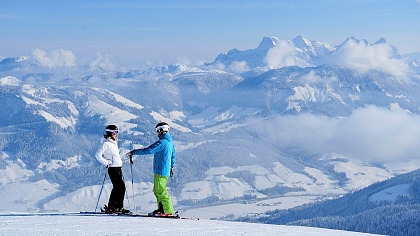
[142, 35]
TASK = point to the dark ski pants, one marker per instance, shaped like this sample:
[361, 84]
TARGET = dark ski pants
[116, 199]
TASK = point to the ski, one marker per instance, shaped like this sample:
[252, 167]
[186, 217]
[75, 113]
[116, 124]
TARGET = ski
[176, 216]
[164, 216]
[157, 216]
[103, 213]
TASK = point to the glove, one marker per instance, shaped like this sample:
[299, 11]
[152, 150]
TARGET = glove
[109, 163]
[172, 172]
[130, 155]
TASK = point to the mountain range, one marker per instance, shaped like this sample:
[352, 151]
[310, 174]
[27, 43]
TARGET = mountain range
[389, 207]
[287, 123]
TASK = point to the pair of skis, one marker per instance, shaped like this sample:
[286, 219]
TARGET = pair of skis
[175, 216]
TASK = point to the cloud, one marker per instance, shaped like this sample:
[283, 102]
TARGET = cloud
[217, 66]
[239, 66]
[364, 57]
[371, 134]
[102, 62]
[58, 57]
[379, 135]
[313, 78]
[182, 60]
[281, 55]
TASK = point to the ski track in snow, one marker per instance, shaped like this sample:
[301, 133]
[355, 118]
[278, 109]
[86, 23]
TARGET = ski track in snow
[50, 224]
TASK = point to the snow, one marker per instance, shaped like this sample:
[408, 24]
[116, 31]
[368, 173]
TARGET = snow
[303, 93]
[31, 101]
[15, 171]
[401, 167]
[21, 194]
[125, 101]
[10, 80]
[112, 114]
[391, 194]
[211, 116]
[250, 207]
[360, 173]
[62, 121]
[185, 146]
[57, 224]
[217, 183]
[69, 163]
[86, 198]
[160, 118]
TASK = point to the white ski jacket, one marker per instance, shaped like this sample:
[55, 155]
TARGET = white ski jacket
[108, 153]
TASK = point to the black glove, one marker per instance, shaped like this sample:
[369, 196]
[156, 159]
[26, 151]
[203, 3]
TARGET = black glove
[172, 172]
[130, 155]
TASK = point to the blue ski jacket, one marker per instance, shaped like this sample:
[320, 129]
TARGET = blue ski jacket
[164, 154]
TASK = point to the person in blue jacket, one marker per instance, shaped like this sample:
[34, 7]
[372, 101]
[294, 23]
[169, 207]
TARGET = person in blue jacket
[163, 164]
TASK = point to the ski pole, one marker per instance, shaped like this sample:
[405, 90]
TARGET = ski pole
[126, 193]
[172, 193]
[132, 183]
[100, 193]
[170, 181]
[131, 170]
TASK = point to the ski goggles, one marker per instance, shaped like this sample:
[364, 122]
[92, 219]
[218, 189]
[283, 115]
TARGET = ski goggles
[162, 128]
[112, 131]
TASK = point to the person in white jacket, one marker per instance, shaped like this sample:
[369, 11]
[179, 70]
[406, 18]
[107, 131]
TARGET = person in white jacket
[108, 154]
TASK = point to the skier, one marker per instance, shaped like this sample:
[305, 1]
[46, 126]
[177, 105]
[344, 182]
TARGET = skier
[108, 154]
[163, 164]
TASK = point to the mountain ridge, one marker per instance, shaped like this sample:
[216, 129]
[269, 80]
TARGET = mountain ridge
[251, 133]
[359, 211]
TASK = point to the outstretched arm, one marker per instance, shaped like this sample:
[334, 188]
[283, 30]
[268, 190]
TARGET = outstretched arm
[157, 146]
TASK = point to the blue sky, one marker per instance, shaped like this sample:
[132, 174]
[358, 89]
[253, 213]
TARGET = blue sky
[148, 33]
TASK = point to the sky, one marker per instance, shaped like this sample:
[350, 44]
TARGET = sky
[141, 34]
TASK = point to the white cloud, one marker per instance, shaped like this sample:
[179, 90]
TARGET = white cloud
[312, 78]
[378, 134]
[281, 55]
[102, 62]
[363, 57]
[217, 66]
[183, 61]
[58, 57]
[239, 66]
[370, 134]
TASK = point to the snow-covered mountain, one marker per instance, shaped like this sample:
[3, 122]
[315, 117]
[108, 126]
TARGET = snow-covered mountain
[386, 207]
[286, 123]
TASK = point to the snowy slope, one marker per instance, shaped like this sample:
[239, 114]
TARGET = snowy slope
[297, 114]
[386, 207]
[110, 225]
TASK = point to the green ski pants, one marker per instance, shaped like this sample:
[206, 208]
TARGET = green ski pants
[161, 193]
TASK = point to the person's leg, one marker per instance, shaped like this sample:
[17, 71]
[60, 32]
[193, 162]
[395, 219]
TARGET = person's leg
[116, 199]
[161, 193]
